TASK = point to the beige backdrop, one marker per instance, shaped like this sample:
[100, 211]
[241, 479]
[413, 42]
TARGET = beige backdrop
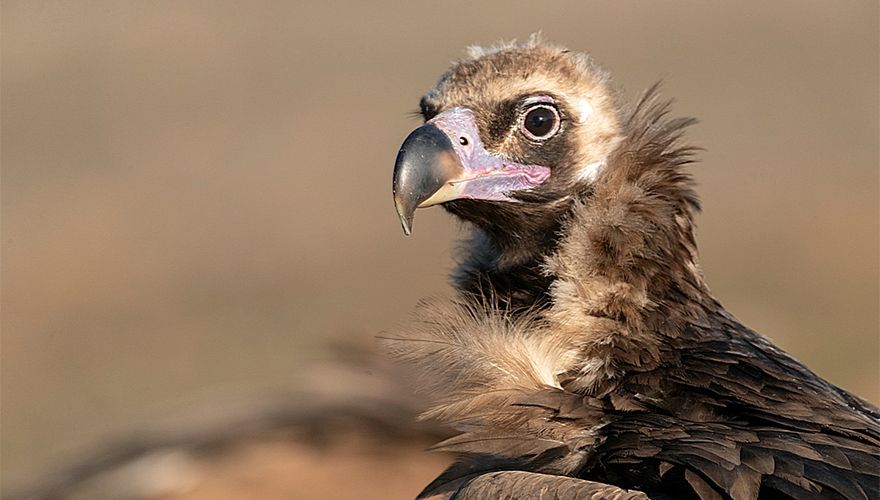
[196, 195]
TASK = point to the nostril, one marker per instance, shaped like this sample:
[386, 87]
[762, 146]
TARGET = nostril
[463, 140]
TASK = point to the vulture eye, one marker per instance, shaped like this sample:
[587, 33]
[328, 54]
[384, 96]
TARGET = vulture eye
[540, 122]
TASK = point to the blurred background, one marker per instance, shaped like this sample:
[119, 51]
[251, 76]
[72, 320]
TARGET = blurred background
[197, 215]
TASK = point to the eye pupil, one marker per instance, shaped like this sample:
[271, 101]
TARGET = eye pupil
[541, 122]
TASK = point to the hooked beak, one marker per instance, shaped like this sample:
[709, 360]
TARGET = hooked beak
[445, 160]
[426, 164]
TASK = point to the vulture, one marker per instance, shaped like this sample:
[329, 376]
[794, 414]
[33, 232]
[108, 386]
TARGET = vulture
[583, 355]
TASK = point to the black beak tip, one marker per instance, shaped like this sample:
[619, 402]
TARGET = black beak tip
[404, 212]
[406, 221]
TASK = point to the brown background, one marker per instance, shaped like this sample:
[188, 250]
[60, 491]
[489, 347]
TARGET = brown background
[196, 195]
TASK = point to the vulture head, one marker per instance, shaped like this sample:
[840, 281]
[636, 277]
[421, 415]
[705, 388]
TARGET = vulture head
[511, 134]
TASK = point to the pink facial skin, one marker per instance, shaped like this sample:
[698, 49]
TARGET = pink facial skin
[486, 176]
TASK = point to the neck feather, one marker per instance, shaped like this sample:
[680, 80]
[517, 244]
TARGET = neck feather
[627, 277]
[504, 256]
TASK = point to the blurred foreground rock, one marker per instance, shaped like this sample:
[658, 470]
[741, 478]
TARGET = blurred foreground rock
[352, 434]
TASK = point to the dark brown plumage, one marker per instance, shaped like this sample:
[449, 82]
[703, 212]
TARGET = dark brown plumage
[584, 341]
